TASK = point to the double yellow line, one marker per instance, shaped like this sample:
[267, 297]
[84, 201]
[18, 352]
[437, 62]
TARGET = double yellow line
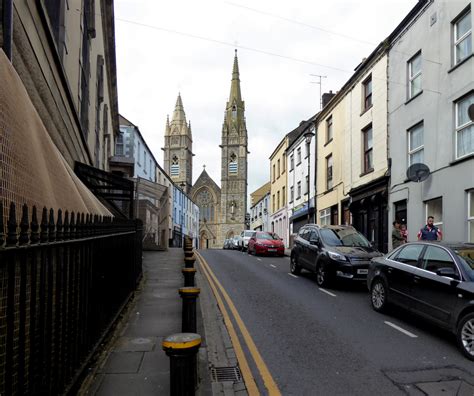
[249, 380]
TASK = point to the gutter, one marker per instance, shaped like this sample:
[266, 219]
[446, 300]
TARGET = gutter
[8, 28]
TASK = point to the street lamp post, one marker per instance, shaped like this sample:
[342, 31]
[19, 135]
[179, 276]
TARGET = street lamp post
[308, 135]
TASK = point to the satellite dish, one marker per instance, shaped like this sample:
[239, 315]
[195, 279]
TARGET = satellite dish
[470, 111]
[418, 172]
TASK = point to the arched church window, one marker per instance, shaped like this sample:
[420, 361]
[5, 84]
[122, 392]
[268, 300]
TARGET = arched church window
[234, 111]
[174, 171]
[233, 165]
[206, 205]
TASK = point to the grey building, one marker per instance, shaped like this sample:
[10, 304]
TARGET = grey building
[430, 87]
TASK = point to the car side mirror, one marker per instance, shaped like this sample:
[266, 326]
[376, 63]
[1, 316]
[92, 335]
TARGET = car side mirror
[448, 272]
[314, 241]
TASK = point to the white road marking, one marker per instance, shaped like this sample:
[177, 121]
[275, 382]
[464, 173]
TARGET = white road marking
[327, 292]
[406, 332]
[271, 265]
[294, 276]
[259, 259]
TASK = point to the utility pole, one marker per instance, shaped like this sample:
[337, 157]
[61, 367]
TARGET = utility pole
[320, 88]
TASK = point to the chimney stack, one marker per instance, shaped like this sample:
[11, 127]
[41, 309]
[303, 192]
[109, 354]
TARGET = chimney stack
[327, 96]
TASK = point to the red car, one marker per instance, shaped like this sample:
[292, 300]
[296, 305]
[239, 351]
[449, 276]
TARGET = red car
[266, 243]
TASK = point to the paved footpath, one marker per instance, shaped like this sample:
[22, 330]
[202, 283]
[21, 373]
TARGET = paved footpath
[135, 363]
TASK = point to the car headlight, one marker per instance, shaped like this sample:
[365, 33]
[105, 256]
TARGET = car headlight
[337, 256]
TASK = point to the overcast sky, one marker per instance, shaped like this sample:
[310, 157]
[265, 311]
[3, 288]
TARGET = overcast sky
[166, 47]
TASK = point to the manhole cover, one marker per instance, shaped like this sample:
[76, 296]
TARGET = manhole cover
[222, 374]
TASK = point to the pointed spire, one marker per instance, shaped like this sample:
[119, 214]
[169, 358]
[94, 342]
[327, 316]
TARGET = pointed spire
[235, 85]
[178, 114]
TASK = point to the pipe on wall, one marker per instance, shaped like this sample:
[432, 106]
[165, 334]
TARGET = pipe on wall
[8, 28]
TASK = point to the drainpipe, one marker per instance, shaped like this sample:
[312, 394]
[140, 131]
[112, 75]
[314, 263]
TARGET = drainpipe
[8, 28]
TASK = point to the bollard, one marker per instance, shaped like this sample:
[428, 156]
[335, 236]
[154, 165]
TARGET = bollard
[188, 274]
[189, 261]
[182, 350]
[189, 296]
[188, 253]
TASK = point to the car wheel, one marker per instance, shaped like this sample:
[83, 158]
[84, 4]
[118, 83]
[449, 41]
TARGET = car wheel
[248, 251]
[465, 335]
[378, 295]
[323, 277]
[295, 269]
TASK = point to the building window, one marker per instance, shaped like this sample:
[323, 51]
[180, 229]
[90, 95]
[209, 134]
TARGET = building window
[233, 166]
[329, 132]
[174, 170]
[234, 112]
[329, 172]
[278, 169]
[298, 190]
[367, 136]
[273, 203]
[278, 199]
[283, 163]
[415, 145]
[144, 160]
[414, 75]
[434, 208]
[283, 196]
[470, 215]
[306, 184]
[325, 216]
[462, 37]
[367, 91]
[119, 144]
[298, 156]
[464, 127]
[292, 162]
[292, 193]
[274, 177]
[139, 151]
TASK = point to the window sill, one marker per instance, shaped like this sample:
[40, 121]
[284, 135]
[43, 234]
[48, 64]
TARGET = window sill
[462, 159]
[366, 110]
[329, 141]
[299, 163]
[291, 170]
[413, 97]
[366, 172]
[328, 190]
[460, 63]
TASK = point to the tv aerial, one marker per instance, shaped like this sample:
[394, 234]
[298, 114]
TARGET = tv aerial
[418, 172]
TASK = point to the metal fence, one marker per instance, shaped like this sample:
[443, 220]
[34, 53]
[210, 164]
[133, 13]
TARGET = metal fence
[63, 281]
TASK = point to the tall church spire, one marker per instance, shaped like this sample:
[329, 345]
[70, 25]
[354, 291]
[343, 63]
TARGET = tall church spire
[235, 85]
[178, 114]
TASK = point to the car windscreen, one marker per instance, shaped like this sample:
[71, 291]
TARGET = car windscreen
[343, 237]
[466, 257]
[248, 233]
[270, 237]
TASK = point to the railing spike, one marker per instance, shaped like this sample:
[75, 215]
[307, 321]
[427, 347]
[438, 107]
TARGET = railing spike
[44, 226]
[66, 225]
[34, 237]
[24, 226]
[51, 226]
[72, 227]
[59, 226]
[12, 226]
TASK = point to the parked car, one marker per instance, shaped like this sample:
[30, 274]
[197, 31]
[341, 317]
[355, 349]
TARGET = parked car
[266, 243]
[227, 244]
[236, 242]
[332, 252]
[244, 239]
[434, 280]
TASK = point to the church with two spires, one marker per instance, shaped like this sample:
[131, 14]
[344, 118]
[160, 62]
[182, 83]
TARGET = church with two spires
[222, 209]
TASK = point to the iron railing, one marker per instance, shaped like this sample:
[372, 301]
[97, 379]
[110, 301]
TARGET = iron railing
[63, 282]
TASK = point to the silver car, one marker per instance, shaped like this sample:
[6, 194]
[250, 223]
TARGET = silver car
[244, 239]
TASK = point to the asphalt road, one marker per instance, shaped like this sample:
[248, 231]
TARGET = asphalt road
[330, 341]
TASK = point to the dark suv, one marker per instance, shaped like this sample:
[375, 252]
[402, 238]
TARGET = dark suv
[332, 252]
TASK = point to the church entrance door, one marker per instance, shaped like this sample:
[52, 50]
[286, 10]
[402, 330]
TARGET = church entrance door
[204, 240]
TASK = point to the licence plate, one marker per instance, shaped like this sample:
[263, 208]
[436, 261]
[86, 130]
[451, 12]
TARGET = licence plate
[362, 271]
[272, 250]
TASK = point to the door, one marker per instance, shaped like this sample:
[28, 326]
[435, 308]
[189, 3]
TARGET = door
[303, 242]
[313, 250]
[401, 272]
[436, 296]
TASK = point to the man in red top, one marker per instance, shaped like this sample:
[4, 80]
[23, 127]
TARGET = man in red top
[430, 232]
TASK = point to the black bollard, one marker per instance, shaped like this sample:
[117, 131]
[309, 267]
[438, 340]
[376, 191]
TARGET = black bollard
[188, 274]
[189, 296]
[189, 261]
[182, 349]
[188, 253]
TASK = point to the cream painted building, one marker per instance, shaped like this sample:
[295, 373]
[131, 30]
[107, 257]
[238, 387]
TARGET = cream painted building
[65, 55]
[259, 209]
[278, 192]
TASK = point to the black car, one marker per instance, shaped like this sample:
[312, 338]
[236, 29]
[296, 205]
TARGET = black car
[332, 252]
[435, 280]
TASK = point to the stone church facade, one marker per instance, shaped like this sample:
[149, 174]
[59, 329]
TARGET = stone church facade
[222, 209]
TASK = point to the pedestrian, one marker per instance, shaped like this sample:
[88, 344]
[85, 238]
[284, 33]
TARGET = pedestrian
[430, 232]
[404, 232]
[397, 237]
